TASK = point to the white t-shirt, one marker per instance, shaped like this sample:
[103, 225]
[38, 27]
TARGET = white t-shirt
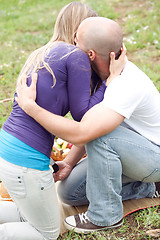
[133, 95]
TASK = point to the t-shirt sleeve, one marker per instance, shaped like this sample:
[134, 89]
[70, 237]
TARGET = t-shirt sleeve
[79, 77]
[123, 96]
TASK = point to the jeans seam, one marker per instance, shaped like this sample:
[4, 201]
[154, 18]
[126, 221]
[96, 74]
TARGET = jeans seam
[78, 190]
[110, 199]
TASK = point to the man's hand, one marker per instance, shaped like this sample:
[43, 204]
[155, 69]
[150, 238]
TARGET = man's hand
[64, 171]
[26, 95]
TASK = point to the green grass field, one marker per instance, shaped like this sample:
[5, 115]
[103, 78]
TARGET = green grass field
[26, 25]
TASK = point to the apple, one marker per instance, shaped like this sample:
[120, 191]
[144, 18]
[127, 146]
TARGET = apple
[69, 145]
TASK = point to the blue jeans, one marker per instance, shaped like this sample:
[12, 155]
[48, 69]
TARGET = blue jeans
[121, 156]
[72, 190]
[35, 214]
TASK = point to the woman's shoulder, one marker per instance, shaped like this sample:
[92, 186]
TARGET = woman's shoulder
[71, 49]
[63, 47]
[67, 52]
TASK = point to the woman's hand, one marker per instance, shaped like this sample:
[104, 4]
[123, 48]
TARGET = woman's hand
[116, 66]
[26, 96]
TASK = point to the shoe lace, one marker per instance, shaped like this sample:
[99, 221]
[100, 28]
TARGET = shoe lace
[156, 195]
[83, 218]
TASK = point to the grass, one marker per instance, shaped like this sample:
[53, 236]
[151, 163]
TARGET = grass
[26, 25]
[134, 227]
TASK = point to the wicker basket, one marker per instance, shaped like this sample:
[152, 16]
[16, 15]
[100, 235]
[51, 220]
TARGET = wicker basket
[4, 195]
[58, 154]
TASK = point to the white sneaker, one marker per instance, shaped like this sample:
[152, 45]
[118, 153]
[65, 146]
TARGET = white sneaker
[80, 223]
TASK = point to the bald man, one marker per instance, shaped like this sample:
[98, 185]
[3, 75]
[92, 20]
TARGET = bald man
[90, 37]
[116, 153]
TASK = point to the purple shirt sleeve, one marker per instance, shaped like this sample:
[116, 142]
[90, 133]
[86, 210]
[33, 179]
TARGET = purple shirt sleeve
[79, 77]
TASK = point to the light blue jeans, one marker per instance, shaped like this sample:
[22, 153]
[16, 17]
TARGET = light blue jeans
[122, 157]
[72, 190]
[34, 215]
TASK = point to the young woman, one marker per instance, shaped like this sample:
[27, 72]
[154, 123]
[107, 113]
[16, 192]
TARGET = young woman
[64, 75]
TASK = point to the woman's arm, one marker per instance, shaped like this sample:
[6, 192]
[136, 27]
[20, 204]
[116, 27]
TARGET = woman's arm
[78, 85]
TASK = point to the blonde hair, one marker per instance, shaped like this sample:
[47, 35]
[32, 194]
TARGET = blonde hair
[67, 23]
[69, 20]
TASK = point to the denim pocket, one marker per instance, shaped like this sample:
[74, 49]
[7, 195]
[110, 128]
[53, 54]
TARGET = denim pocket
[153, 177]
[45, 179]
[15, 185]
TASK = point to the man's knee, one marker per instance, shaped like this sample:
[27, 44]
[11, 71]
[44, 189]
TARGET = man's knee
[64, 192]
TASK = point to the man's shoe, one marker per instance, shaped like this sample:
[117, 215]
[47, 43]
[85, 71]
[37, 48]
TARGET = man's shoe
[80, 223]
[157, 192]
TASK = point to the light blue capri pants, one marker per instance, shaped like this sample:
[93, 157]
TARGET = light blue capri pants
[34, 214]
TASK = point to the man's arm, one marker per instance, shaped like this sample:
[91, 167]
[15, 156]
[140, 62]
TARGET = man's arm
[75, 155]
[98, 121]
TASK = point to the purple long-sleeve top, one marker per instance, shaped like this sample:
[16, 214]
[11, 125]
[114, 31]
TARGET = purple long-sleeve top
[71, 93]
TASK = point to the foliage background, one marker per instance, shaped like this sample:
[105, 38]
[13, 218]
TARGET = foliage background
[26, 25]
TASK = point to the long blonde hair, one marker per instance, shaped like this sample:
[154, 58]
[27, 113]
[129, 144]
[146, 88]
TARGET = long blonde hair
[67, 23]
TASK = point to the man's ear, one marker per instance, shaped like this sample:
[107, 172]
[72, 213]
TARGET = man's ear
[91, 55]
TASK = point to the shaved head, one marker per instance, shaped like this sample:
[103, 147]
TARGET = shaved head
[101, 34]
